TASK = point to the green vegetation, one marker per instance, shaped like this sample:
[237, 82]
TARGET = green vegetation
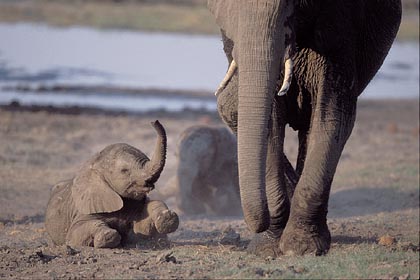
[187, 16]
[360, 261]
[160, 16]
[409, 29]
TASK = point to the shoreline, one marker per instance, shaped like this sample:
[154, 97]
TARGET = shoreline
[110, 90]
[16, 106]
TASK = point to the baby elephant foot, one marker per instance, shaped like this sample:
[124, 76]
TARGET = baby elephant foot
[107, 238]
[264, 245]
[167, 221]
[305, 239]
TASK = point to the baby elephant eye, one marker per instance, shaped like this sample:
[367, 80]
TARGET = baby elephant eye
[124, 170]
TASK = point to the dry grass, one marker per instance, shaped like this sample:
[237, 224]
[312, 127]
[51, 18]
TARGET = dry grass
[130, 15]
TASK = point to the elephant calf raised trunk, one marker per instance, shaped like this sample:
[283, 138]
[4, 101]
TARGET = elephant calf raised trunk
[156, 164]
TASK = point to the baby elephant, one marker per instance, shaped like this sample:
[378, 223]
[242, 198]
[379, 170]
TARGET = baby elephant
[106, 203]
[207, 176]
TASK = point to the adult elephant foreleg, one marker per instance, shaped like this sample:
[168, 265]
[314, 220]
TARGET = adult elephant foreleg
[266, 243]
[331, 125]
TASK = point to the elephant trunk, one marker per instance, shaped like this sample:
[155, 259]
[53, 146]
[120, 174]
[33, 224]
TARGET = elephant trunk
[260, 52]
[156, 164]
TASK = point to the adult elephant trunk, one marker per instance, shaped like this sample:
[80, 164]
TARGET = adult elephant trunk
[155, 166]
[259, 50]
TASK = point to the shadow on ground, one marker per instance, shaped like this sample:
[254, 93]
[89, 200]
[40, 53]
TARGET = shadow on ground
[38, 218]
[368, 201]
[346, 239]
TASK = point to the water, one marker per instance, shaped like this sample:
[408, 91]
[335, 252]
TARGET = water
[34, 55]
[112, 102]
[399, 75]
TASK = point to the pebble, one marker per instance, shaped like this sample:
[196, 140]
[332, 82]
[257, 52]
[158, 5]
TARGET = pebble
[387, 240]
[229, 236]
[297, 269]
[70, 251]
[166, 257]
[259, 271]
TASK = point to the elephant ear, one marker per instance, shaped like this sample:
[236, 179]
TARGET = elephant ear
[92, 194]
[226, 15]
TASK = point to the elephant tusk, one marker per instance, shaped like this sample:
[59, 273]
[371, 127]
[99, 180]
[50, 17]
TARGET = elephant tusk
[229, 74]
[288, 73]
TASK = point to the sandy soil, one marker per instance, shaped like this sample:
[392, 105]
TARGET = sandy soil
[375, 193]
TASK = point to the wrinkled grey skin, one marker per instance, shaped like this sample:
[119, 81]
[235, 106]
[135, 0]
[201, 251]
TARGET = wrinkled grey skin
[337, 47]
[106, 203]
[207, 172]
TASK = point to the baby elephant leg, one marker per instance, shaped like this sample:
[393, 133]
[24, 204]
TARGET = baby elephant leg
[156, 218]
[94, 233]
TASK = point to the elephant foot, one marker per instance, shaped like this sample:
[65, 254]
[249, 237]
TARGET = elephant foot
[264, 245]
[166, 222]
[299, 239]
[107, 238]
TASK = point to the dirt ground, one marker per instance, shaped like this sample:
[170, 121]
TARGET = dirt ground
[375, 196]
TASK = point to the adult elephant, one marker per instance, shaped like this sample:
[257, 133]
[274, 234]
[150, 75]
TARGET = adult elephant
[325, 52]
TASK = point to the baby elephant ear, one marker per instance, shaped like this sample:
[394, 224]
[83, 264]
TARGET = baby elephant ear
[93, 195]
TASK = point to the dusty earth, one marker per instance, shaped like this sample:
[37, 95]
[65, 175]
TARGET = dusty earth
[374, 206]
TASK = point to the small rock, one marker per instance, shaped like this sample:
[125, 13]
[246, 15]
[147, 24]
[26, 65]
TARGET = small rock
[387, 240]
[297, 269]
[259, 271]
[70, 251]
[39, 256]
[229, 237]
[392, 128]
[165, 257]
[404, 276]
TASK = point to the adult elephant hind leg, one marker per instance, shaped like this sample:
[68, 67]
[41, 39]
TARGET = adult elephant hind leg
[332, 123]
